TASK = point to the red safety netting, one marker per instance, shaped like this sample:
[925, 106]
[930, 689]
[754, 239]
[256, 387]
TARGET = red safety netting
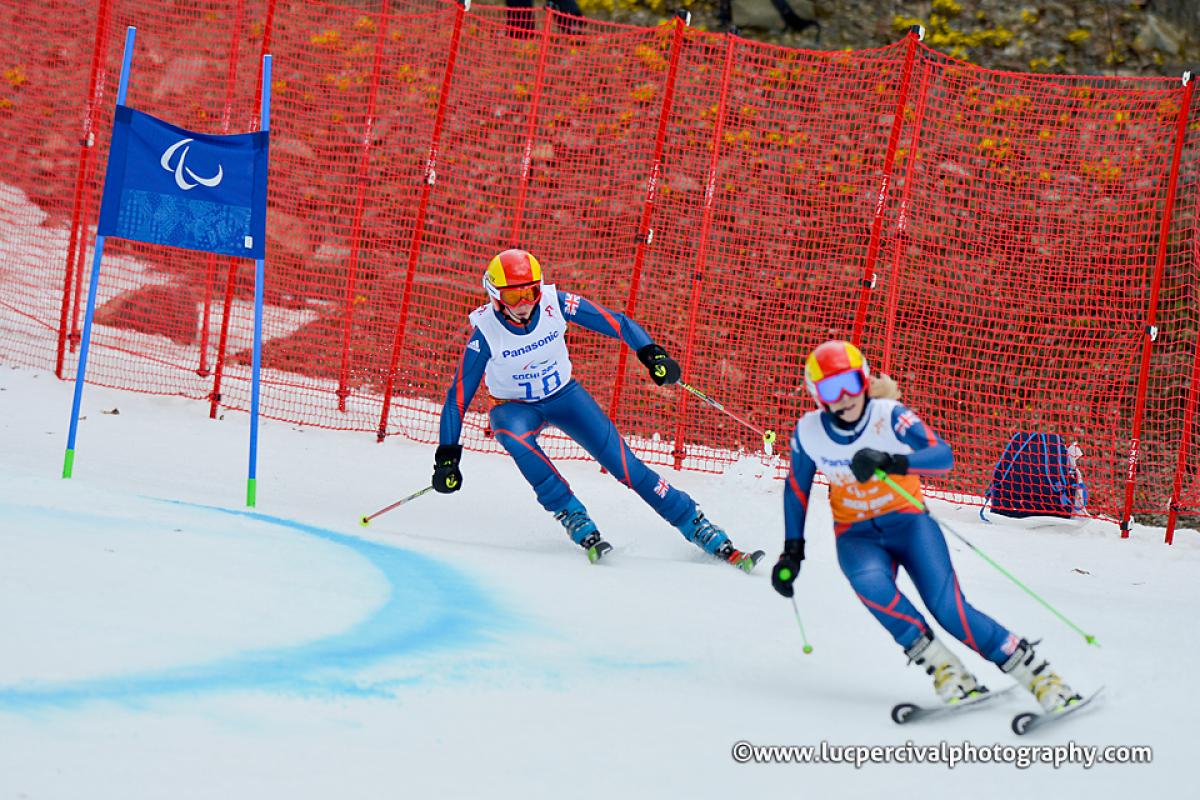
[996, 241]
[1017, 291]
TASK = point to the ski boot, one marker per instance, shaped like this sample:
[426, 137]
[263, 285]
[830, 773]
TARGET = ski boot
[709, 537]
[952, 681]
[1034, 673]
[746, 562]
[582, 530]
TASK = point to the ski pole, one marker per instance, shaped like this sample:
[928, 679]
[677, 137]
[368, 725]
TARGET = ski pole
[366, 519]
[796, 608]
[768, 436]
[883, 476]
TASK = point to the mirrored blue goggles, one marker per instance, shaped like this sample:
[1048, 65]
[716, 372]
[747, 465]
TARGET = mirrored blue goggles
[833, 388]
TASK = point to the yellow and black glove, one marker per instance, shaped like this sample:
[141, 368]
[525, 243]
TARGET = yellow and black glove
[446, 477]
[663, 368]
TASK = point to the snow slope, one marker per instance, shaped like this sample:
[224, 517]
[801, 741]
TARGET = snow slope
[158, 640]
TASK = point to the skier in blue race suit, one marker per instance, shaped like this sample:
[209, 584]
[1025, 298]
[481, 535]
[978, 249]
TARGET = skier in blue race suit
[518, 347]
[860, 427]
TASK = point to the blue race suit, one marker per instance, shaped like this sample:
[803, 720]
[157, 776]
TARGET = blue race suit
[571, 409]
[871, 550]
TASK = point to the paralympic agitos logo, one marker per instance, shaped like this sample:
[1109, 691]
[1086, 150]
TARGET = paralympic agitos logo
[181, 169]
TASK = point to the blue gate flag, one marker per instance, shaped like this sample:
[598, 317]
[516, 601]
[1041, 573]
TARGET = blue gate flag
[167, 185]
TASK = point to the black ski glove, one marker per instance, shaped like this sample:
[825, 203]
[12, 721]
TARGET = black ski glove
[787, 568]
[446, 477]
[866, 461]
[663, 368]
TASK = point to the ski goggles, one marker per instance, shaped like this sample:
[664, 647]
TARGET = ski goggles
[529, 294]
[835, 387]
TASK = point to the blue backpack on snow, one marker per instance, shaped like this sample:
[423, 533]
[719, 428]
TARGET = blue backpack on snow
[1037, 476]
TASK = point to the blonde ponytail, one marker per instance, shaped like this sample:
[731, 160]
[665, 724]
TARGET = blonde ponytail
[884, 388]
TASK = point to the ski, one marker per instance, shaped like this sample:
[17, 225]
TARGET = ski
[1031, 720]
[598, 551]
[746, 562]
[904, 713]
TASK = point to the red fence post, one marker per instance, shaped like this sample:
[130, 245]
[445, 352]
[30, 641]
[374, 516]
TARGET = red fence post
[1151, 332]
[1189, 413]
[530, 129]
[893, 292]
[359, 205]
[414, 249]
[87, 140]
[210, 261]
[85, 211]
[645, 232]
[214, 397]
[210, 277]
[710, 191]
[915, 35]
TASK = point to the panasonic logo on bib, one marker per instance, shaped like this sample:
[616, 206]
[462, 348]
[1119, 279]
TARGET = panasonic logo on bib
[835, 462]
[529, 348]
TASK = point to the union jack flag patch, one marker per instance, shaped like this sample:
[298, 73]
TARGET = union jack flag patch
[662, 488]
[571, 303]
[906, 421]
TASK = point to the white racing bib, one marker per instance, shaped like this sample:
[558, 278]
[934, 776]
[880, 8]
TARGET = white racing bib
[850, 500]
[529, 366]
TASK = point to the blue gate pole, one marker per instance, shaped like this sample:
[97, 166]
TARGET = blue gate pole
[256, 363]
[94, 285]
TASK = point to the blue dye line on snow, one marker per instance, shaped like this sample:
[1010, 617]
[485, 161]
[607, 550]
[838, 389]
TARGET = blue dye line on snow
[430, 605]
[609, 662]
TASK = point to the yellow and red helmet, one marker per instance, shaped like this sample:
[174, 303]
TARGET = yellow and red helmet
[513, 278]
[834, 370]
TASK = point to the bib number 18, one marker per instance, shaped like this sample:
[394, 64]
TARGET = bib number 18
[550, 383]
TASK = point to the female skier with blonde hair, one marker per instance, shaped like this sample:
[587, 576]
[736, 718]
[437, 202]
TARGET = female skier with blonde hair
[858, 427]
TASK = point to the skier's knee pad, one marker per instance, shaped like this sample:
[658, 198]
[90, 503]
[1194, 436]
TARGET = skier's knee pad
[515, 447]
[876, 585]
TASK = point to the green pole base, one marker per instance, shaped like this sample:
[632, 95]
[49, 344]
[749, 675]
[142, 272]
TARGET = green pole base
[68, 463]
[251, 492]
